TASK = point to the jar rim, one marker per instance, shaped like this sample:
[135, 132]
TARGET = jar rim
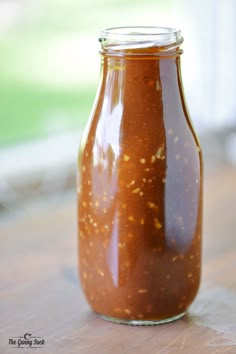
[133, 34]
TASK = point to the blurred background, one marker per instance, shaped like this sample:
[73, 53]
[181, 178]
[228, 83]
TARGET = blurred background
[49, 70]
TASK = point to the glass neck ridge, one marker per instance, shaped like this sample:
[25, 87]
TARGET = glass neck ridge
[141, 41]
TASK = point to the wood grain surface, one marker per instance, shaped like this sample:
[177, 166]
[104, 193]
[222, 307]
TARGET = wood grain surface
[40, 293]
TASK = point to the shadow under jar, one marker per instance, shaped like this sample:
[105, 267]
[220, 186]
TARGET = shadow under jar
[140, 183]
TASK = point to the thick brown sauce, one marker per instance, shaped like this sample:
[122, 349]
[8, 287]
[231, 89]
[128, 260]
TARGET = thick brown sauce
[140, 193]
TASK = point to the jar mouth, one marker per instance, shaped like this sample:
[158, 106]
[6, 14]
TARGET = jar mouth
[139, 37]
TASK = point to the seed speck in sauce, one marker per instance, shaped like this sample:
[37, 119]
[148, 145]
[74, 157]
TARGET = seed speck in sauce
[126, 158]
[136, 190]
[143, 291]
[157, 224]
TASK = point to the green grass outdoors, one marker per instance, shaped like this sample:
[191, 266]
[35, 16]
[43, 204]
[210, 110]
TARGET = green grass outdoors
[32, 102]
[28, 112]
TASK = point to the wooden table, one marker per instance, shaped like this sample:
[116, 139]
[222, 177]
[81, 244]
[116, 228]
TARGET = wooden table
[40, 293]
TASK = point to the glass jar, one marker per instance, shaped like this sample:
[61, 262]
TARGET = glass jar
[140, 183]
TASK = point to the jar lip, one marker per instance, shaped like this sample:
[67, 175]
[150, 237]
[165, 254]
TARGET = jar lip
[133, 34]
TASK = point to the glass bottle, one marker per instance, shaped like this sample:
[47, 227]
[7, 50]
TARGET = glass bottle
[140, 183]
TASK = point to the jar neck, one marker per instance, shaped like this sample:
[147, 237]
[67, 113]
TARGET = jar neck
[134, 78]
[145, 53]
[144, 42]
[143, 60]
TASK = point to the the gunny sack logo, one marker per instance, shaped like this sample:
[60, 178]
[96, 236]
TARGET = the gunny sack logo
[26, 341]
